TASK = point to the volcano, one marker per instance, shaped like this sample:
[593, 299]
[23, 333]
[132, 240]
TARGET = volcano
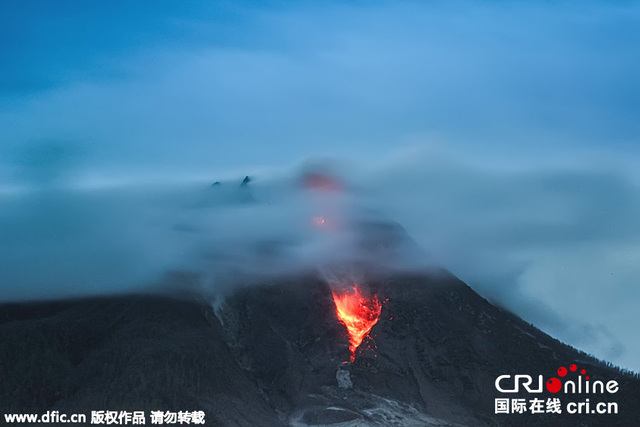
[274, 354]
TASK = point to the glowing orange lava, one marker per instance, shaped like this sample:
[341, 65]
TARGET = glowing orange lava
[358, 313]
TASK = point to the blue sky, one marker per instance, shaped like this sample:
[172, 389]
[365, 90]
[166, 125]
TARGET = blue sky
[516, 122]
[495, 77]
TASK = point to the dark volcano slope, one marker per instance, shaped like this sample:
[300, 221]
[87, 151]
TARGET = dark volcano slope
[439, 347]
[274, 356]
[123, 353]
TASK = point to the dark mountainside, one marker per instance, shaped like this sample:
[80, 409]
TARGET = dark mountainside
[273, 355]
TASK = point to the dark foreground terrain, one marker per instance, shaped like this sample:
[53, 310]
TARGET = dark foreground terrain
[274, 355]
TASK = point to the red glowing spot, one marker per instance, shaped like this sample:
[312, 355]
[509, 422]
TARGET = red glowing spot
[573, 367]
[319, 221]
[321, 182]
[391, 318]
[587, 377]
[358, 313]
[583, 372]
[554, 385]
[562, 371]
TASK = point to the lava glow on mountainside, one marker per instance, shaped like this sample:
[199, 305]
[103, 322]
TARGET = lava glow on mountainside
[358, 313]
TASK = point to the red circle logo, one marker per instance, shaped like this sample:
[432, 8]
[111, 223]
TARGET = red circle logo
[554, 385]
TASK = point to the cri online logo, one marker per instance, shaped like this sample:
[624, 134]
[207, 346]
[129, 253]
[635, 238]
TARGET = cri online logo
[554, 384]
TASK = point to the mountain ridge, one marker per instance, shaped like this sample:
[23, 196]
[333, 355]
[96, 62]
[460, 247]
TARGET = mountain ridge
[274, 353]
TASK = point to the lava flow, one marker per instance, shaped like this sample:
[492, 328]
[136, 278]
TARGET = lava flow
[358, 313]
